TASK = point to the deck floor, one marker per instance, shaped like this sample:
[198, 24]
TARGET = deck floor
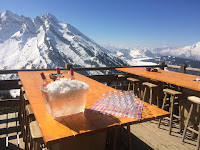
[145, 136]
[159, 138]
[10, 134]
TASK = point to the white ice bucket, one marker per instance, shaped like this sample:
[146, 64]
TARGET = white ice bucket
[65, 99]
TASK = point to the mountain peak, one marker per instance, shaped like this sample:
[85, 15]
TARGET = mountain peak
[45, 42]
[197, 44]
[8, 12]
[9, 16]
[50, 16]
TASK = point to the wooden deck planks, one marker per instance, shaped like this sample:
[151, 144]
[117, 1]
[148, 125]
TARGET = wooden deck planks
[159, 138]
[151, 139]
[3, 131]
[145, 133]
[10, 132]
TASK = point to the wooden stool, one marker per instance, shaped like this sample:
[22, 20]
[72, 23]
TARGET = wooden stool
[29, 116]
[120, 77]
[35, 136]
[194, 100]
[151, 87]
[173, 93]
[135, 85]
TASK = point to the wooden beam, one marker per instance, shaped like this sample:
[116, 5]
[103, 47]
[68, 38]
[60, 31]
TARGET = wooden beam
[16, 71]
[9, 102]
[75, 69]
[9, 84]
[103, 78]
[173, 66]
[109, 68]
[193, 69]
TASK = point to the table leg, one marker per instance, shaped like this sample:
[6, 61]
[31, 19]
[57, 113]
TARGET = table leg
[160, 94]
[114, 138]
[129, 137]
[121, 137]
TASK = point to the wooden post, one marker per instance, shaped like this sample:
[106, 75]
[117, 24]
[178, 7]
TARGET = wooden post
[129, 137]
[183, 68]
[114, 138]
[162, 65]
[68, 66]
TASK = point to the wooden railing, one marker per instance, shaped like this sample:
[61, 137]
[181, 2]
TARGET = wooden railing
[185, 69]
[13, 84]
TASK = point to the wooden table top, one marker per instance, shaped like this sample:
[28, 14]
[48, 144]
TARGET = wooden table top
[176, 78]
[54, 130]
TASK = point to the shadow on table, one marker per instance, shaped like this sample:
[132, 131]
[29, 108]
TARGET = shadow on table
[88, 121]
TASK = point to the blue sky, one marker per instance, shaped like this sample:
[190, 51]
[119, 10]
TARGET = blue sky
[151, 23]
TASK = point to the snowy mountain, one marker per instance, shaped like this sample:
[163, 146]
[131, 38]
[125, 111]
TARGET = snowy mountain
[144, 55]
[189, 52]
[45, 42]
[134, 56]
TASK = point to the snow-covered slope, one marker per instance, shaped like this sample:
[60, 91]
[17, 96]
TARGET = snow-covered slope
[45, 42]
[137, 55]
[134, 56]
[190, 52]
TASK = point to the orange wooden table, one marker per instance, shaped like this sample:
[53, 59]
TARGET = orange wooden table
[176, 78]
[64, 128]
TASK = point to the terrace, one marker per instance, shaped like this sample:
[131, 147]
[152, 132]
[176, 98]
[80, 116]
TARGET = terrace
[145, 135]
